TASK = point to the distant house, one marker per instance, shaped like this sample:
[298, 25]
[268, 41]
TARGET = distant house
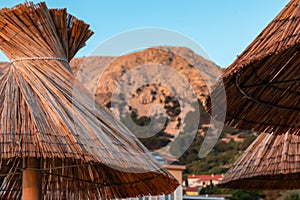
[202, 181]
[192, 191]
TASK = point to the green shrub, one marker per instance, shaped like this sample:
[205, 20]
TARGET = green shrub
[245, 195]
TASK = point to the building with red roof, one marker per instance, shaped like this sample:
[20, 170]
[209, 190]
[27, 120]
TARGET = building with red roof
[202, 181]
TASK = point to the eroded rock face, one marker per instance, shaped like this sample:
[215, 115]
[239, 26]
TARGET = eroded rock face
[102, 74]
[198, 72]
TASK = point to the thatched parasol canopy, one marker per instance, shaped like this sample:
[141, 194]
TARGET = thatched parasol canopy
[80, 150]
[263, 84]
[271, 162]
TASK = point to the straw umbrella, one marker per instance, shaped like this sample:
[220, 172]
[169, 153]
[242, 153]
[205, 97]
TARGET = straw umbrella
[271, 162]
[262, 84]
[54, 144]
[262, 93]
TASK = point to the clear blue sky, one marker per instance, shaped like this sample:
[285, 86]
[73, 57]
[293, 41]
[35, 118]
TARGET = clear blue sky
[223, 28]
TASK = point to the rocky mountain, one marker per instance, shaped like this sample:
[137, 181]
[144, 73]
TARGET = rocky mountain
[197, 71]
[164, 76]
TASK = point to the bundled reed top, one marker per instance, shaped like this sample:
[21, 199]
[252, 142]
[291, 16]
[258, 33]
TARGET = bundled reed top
[263, 84]
[84, 152]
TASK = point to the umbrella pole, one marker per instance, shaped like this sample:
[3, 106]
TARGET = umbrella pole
[31, 180]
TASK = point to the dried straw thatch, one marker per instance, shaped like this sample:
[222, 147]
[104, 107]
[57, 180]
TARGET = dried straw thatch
[262, 84]
[82, 151]
[270, 162]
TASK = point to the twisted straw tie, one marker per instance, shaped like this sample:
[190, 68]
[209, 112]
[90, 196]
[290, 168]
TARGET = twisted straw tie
[40, 58]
